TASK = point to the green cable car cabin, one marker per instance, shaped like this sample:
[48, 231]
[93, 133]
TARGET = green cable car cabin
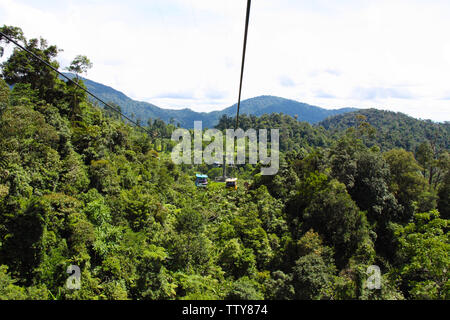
[201, 180]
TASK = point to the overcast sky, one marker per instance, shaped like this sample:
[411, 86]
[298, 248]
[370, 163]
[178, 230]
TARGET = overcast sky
[392, 55]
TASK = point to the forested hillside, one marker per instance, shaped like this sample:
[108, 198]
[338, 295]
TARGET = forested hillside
[392, 129]
[185, 117]
[144, 111]
[262, 105]
[78, 186]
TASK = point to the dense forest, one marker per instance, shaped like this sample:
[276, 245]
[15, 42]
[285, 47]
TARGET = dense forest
[81, 186]
[393, 129]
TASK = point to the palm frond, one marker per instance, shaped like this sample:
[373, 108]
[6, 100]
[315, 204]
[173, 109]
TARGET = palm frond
[3, 161]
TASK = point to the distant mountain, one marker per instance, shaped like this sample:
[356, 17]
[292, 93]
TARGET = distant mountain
[270, 104]
[186, 117]
[393, 129]
[143, 110]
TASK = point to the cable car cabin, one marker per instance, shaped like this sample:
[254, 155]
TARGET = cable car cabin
[231, 183]
[201, 180]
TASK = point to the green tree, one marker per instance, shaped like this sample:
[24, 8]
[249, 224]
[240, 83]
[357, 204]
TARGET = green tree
[279, 286]
[21, 68]
[444, 189]
[236, 260]
[444, 197]
[334, 215]
[245, 289]
[4, 95]
[407, 182]
[424, 247]
[314, 270]
[79, 65]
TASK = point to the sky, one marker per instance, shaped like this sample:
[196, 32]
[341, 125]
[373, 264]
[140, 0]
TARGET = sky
[391, 55]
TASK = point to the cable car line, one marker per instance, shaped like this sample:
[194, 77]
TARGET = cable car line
[62, 74]
[247, 18]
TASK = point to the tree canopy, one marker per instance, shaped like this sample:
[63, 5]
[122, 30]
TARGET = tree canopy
[81, 186]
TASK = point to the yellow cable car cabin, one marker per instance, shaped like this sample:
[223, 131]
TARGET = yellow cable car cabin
[231, 183]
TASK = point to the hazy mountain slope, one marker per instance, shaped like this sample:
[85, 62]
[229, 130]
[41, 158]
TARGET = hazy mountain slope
[186, 117]
[270, 104]
[143, 110]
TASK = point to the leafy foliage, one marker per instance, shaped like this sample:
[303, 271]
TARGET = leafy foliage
[79, 186]
[393, 130]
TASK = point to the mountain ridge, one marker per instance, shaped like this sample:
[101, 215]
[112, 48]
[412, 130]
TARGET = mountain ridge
[393, 129]
[185, 117]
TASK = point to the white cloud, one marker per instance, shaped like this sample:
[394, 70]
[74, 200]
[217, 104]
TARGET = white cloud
[319, 52]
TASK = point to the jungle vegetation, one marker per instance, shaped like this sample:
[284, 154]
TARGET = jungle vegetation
[81, 186]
